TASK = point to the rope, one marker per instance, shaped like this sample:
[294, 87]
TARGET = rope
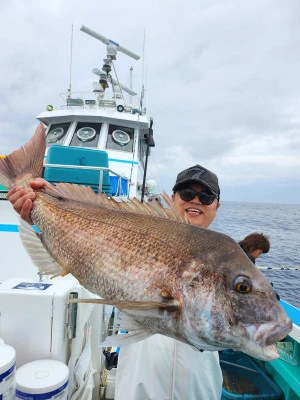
[118, 82]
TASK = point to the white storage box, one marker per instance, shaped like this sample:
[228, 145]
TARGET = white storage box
[33, 318]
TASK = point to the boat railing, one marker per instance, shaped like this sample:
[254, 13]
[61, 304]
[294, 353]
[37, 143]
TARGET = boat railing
[3, 192]
[117, 102]
[121, 177]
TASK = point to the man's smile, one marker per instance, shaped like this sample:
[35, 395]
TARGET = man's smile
[193, 210]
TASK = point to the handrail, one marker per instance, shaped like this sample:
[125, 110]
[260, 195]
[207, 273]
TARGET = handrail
[86, 100]
[91, 168]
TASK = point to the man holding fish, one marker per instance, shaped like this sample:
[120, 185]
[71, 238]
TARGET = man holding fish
[161, 367]
[168, 277]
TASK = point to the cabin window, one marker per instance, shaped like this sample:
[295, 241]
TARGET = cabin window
[120, 138]
[57, 134]
[86, 134]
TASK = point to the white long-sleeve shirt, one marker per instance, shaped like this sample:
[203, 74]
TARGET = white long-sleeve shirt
[161, 368]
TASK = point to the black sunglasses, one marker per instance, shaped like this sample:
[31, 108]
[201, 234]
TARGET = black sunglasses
[189, 194]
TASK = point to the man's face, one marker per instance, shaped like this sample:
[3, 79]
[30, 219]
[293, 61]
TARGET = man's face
[196, 213]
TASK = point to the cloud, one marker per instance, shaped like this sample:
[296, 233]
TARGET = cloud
[221, 81]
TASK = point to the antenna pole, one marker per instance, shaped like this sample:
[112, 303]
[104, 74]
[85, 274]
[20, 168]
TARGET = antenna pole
[143, 88]
[143, 57]
[71, 58]
[131, 69]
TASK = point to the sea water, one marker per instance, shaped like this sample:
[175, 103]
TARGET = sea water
[281, 223]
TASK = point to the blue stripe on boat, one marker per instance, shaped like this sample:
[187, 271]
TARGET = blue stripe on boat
[123, 161]
[292, 312]
[12, 228]
[8, 228]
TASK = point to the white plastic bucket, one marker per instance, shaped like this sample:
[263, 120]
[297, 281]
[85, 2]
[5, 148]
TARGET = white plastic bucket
[7, 372]
[42, 379]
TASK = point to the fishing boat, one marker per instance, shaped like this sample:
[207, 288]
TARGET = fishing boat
[102, 139]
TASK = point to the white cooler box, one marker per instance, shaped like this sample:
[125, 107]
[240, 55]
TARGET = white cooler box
[33, 318]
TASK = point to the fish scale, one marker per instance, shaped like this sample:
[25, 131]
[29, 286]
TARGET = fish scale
[118, 257]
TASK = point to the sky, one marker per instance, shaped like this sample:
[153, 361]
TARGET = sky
[222, 81]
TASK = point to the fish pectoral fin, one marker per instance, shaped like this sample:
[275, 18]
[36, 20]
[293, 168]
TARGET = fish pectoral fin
[130, 331]
[151, 309]
[124, 339]
[130, 305]
[38, 253]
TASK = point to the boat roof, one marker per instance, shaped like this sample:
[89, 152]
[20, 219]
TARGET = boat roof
[91, 115]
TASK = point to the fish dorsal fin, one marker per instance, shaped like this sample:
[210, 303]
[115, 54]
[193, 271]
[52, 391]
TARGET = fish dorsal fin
[74, 192]
[86, 194]
[152, 208]
[172, 212]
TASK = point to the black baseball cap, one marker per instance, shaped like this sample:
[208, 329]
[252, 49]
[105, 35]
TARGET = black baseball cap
[201, 175]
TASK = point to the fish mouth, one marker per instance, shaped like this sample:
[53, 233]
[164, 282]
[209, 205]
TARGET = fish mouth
[279, 333]
[264, 353]
[268, 334]
[262, 339]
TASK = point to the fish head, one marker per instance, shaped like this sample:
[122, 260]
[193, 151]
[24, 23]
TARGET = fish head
[229, 303]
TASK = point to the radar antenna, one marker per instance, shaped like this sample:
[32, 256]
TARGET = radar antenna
[112, 47]
[104, 74]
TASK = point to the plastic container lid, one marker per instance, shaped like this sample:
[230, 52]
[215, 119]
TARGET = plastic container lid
[41, 376]
[7, 357]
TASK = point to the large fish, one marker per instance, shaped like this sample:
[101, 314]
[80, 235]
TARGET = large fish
[169, 277]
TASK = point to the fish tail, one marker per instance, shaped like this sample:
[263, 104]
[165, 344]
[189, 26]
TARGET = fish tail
[25, 164]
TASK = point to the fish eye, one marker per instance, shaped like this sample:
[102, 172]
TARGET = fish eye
[242, 285]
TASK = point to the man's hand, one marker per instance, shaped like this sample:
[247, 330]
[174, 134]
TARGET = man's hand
[21, 198]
